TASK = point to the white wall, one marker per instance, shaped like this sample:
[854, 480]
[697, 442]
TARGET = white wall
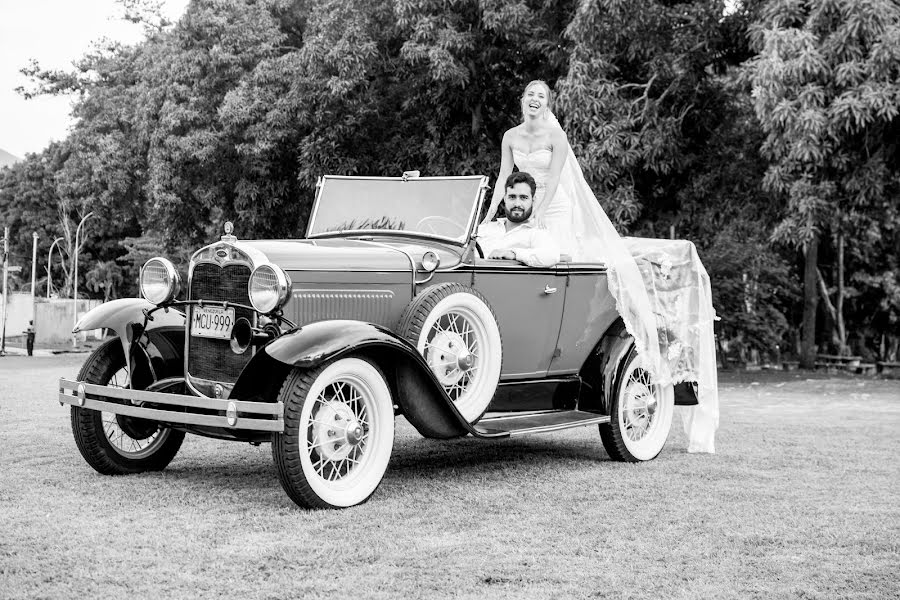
[18, 312]
[52, 318]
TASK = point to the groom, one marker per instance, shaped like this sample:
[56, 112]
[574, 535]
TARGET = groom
[517, 237]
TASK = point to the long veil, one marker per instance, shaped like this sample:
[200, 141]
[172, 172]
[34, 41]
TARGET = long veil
[663, 295]
[596, 240]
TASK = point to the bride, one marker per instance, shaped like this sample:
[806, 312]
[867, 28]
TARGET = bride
[565, 204]
[537, 146]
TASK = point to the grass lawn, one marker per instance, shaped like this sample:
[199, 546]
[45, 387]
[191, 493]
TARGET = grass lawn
[802, 500]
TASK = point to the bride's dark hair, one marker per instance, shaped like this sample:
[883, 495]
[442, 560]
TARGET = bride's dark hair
[549, 96]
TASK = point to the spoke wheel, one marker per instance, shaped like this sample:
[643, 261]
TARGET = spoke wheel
[456, 332]
[338, 434]
[641, 414]
[116, 444]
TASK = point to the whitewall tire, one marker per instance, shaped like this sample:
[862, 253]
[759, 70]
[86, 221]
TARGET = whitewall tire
[640, 414]
[338, 433]
[456, 332]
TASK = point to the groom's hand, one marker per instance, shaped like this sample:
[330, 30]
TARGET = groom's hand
[505, 254]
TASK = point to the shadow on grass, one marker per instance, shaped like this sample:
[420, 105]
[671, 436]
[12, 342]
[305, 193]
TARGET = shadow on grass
[244, 475]
[440, 456]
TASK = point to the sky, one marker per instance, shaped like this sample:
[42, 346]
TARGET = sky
[55, 33]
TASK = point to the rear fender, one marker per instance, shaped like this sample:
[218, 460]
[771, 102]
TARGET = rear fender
[604, 365]
[152, 352]
[599, 371]
[414, 389]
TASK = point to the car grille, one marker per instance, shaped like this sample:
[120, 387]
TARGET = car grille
[210, 358]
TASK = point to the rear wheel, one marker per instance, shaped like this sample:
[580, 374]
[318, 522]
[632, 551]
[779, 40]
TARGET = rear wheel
[338, 433]
[116, 444]
[641, 414]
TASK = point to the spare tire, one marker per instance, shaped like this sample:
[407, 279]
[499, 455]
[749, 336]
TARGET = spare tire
[455, 330]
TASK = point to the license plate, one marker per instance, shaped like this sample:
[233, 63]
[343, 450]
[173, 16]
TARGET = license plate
[212, 322]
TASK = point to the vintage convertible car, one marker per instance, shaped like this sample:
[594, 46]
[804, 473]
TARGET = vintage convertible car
[386, 308]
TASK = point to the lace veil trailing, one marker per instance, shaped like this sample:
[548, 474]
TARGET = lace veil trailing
[663, 295]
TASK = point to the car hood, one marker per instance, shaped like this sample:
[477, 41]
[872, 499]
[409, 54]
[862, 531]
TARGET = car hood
[348, 254]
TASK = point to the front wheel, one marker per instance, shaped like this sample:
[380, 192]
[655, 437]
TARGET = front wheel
[338, 433]
[641, 414]
[116, 444]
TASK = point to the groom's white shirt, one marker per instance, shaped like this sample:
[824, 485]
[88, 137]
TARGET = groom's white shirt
[533, 245]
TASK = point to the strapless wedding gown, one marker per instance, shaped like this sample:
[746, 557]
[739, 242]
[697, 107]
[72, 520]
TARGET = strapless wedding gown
[558, 215]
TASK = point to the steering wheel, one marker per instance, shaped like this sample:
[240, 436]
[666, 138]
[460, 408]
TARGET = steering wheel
[430, 225]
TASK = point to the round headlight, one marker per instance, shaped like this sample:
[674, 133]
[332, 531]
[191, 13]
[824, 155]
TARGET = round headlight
[160, 281]
[430, 261]
[269, 288]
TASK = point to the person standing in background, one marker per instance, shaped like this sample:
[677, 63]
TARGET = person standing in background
[29, 338]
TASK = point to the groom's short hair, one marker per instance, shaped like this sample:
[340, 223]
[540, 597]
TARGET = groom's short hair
[521, 177]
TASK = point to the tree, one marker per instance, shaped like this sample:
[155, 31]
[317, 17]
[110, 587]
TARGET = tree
[30, 202]
[382, 87]
[725, 210]
[106, 277]
[638, 95]
[826, 84]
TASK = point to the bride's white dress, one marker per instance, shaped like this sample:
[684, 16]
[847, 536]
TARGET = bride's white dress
[558, 216]
[661, 289]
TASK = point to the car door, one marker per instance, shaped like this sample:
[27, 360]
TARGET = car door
[590, 310]
[528, 303]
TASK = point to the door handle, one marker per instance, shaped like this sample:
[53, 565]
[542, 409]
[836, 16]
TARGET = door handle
[549, 290]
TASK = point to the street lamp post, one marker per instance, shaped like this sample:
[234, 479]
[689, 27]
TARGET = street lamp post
[75, 280]
[34, 240]
[49, 263]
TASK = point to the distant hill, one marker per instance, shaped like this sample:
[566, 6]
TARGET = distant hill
[7, 159]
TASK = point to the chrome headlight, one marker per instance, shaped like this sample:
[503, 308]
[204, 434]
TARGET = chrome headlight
[430, 261]
[160, 281]
[269, 288]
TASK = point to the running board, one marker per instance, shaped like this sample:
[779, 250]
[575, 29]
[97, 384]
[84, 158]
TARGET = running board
[535, 422]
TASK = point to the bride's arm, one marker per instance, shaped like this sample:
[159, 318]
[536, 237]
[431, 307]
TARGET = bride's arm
[557, 160]
[506, 167]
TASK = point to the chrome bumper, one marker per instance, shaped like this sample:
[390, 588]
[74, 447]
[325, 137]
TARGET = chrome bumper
[237, 414]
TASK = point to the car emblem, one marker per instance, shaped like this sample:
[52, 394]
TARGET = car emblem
[222, 253]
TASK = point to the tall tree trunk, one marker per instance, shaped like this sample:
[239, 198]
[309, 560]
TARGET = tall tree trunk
[830, 312]
[810, 303]
[63, 207]
[839, 301]
[477, 119]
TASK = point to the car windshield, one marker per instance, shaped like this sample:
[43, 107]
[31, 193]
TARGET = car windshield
[441, 207]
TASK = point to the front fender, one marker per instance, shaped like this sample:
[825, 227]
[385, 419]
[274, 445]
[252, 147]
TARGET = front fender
[415, 390]
[118, 314]
[126, 317]
[313, 344]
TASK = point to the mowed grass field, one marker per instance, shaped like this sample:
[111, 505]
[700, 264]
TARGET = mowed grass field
[802, 500]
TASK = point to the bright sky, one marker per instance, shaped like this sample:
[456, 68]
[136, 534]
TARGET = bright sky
[55, 33]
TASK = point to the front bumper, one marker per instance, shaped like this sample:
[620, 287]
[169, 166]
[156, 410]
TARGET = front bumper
[176, 408]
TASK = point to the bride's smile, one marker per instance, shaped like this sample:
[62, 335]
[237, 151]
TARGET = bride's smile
[535, 100]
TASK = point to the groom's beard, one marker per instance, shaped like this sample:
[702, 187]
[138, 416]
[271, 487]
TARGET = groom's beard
[519, 215]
